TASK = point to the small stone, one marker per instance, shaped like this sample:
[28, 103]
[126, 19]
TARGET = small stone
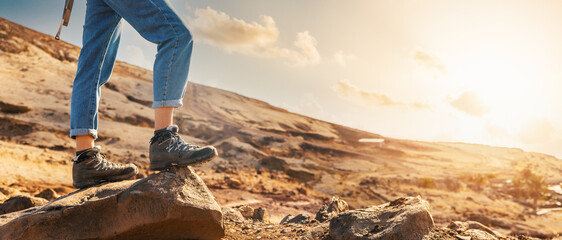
[479, 234]
[335, 207]
[458, 226]
[300, 219]
[246, 211]
[286, 219]
[48, 194]
[463, 227]
[459, 237]
[233, 215]
[233, 182]
[2, 197]
[19, 203]
[319, 231]
[261, 215]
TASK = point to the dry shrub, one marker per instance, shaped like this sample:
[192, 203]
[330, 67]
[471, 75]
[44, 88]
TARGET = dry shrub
[453, 184]
[427, 182]
[529, 186]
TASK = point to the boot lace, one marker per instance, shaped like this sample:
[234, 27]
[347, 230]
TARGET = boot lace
[175, 142]
[103, 164]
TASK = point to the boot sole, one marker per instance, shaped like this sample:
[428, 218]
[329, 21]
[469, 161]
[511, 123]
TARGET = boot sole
[96, 181]
[189, 162]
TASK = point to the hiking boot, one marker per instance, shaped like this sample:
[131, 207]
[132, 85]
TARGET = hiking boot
[90, 168]
[168, 149]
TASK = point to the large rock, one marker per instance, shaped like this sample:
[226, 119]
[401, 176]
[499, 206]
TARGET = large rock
[167, 205]
[403, 218]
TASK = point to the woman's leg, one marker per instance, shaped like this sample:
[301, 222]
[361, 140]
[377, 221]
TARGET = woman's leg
[157, 22]
[163, 117]
[95, 64]
[102, 31]
[84, 142]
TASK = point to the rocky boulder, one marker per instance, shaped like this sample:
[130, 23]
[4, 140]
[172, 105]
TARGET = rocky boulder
[403, 218]
[168, 205]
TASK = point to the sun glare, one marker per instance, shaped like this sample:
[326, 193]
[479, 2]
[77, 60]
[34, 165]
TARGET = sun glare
[507, 84]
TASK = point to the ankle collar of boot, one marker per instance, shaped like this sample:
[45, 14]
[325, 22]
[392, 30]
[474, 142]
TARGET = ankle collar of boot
[82, 156]
[171, 128]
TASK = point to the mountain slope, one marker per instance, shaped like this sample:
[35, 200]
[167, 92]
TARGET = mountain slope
[268, 156]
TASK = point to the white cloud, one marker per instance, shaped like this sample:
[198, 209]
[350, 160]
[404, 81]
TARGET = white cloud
[251, 38]
[470, 103]
[232, 34]
[429, 61]
[342, 58]
[345, 89]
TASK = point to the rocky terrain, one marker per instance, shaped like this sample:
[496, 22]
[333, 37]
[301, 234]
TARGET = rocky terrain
[270, 159]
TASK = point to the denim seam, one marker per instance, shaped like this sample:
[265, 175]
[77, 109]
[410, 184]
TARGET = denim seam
[170, 68]
[168, 103]
[88, 131]
[98, 74]
[173, 53]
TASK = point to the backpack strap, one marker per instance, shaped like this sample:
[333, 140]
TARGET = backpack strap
[65, 16]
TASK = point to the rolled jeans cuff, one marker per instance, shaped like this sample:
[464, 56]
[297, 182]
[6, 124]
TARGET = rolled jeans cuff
[167, 103]
[81, 132]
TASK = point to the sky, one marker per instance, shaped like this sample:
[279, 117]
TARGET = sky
[475, 71]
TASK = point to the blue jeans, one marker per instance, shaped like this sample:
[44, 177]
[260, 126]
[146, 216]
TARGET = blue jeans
[157, 22]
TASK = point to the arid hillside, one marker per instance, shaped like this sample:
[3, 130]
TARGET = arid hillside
[269, 157]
